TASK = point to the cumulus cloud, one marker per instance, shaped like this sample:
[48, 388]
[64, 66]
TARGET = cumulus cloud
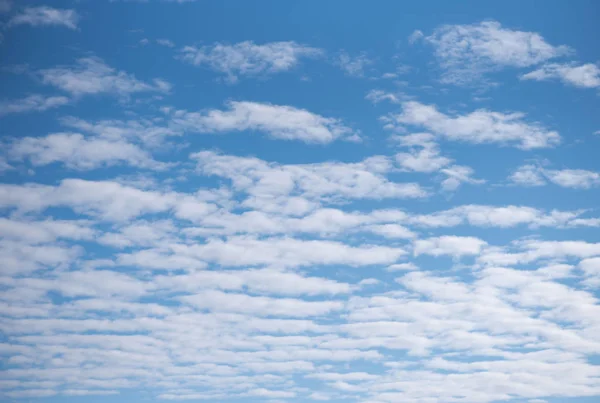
[278, 121]
[247, 59]
[427, 159]
[480, 126]
[79, 152]
[292, 272]
[449, 245]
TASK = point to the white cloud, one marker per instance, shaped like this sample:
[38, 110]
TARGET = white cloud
[37, 103]
[402, 267]
[34, 232]
[573, 178]
[376, 96]
[392, 231]
[287, 252]
[280, 122]
[92, 76]
[584, 76]
[480, 126]
[234, 277]
[150, 132]
[165, 42]
[79, 152]
[532, 175]
[467, 52]
[249, 59]
[416, 35]
[427, 159]
[41, 16]
[262, 306]
[455, 246]
[110, 200]
[533, 250]
[493, 216]
[262, 281]
[528, 175]
[334, 180]
[353, 65]
[456, 175]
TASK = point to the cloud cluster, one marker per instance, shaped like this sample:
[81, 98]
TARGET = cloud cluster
[338, 270]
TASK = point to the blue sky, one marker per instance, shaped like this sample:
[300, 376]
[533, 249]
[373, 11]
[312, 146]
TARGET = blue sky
[299, 202]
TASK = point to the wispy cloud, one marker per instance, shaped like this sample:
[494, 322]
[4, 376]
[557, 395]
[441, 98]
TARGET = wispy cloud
[90, 75]
[46, 16]
[278, 121]
[467, 52]
[247, 59]
[584, 76]
[32, 103]
[354, 66]
[535, 175]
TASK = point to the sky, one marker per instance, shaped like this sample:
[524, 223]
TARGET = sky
[318, 201]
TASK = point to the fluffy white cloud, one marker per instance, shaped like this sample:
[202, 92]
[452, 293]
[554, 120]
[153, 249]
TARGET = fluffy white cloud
[262, 306]
[585, 75]
[107, 199]
[276, 278]
[455, 246]
[34, 232]
[37, 103]
[92, 76]
[40, 16]
[79, 152]
[533, 175]
[332, 180]
[249, 59]
[467, 52]
[493, 216]
[573, 178]
[528, 175]
[528, 251]
[280, 122]
[456, 175]
[427, 159]
[480, 126]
